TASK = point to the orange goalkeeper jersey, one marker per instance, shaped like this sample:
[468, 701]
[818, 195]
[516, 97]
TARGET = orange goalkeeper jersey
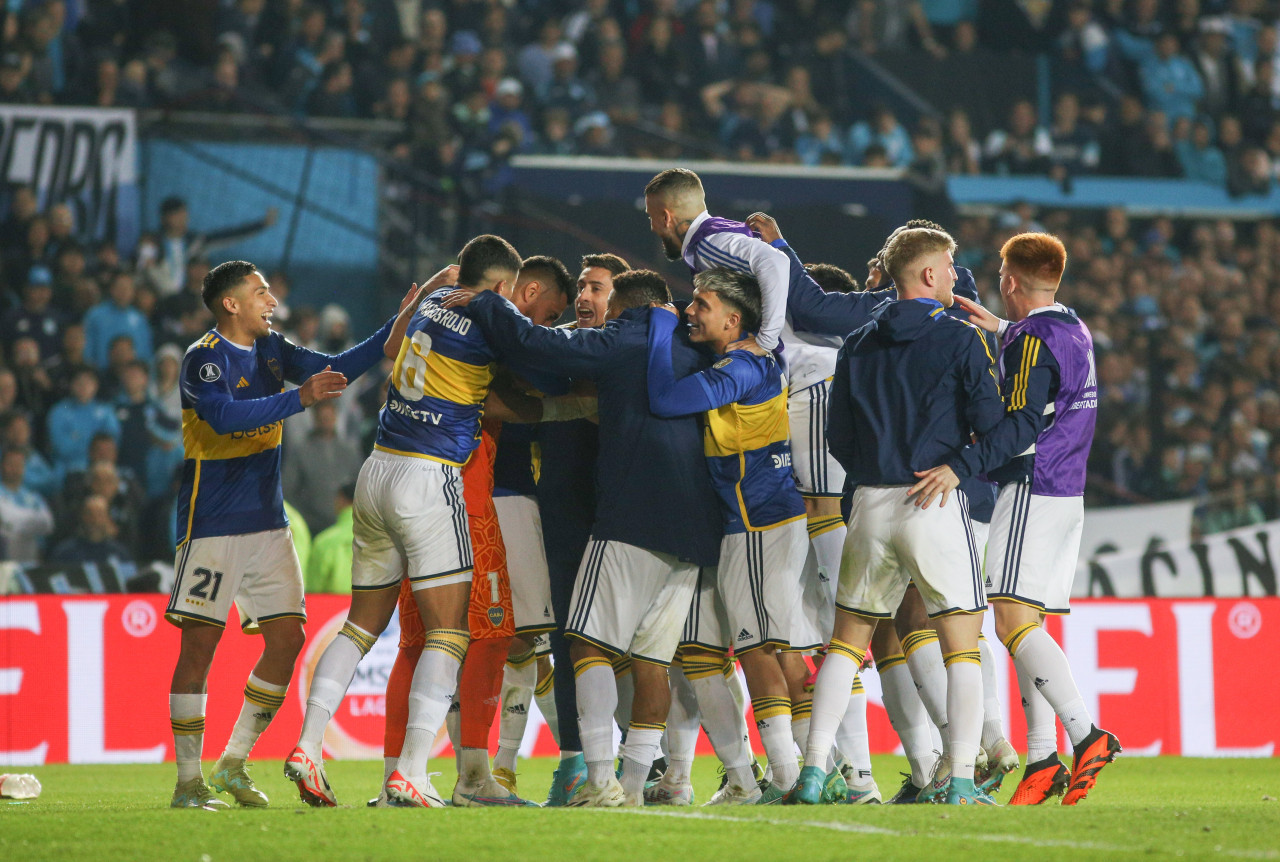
[490, 614]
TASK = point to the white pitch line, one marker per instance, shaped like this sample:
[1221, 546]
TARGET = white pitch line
[867, 829]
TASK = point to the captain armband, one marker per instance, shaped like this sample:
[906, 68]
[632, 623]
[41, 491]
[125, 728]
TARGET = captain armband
[563, 408]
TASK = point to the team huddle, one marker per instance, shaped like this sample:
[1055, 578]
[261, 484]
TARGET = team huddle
[614, 515]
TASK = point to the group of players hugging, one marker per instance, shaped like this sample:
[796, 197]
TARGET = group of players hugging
[790, 475]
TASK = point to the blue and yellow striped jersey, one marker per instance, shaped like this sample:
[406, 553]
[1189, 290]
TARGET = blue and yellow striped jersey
[745, 436]
[233, 409]
[441, 377]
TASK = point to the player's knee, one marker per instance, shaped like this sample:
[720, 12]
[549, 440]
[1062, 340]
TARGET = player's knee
[287, 641]
[1008, 620]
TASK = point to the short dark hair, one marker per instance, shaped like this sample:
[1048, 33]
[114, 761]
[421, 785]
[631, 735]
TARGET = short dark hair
[482, 254]
[738, 290]
[616, 265]
[639, 287]
[924, 222]
[172, 205]
[674, 181]
[222, 279]
[832, 278]
[550, 271]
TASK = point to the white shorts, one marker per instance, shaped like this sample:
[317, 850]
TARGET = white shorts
[891, 541]
[521, 525]
[410, 520]
[628, 599]
[259, 571]
[1034, 547]
[752, 599]
[817, 473]
[981, 534]
[816, 611]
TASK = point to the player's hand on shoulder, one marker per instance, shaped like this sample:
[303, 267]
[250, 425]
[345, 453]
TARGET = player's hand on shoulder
[460, 297]
[979, 316]
[748, 344]
[937, 482]
[765, 225]
[446, 276]
[322, 386]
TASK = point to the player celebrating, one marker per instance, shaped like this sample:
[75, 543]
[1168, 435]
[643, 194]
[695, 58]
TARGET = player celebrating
[655, 524]
[236, 541]
[410, 520]
[909, 387]
[1037, 456]
[742, 399]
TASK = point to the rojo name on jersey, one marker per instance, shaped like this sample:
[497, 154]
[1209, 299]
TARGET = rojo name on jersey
[438, 386]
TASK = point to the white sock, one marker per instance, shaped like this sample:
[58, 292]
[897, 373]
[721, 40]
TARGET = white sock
[775, 735]
[682, 728]
[517, 693]
[186, 717]
[852, 739]
[828, 547]
[964, 708]
[430, 696]
[992, 713]
[642, 750]
[626, 685]
[800, 731]
[261, 702]
[597, 700]
[830, 701]
[738, 691]
[1047, 669]
[722, 718]
[565, 754]
[388, 767]
[545, 694]
[924, 657]
[330, 682]
[908, 716]
[1042, 727]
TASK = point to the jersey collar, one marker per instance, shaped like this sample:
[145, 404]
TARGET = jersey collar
[693, 228]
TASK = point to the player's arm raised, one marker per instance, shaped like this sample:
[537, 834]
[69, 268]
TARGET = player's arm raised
[811, 308]
[409, 306]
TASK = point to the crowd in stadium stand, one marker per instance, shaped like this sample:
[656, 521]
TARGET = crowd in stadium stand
[1185, 315]
[1140, 88]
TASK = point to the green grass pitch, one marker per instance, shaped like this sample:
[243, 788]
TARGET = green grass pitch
[1154, 808]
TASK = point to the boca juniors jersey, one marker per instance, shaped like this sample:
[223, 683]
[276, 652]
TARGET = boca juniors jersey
[441, 377]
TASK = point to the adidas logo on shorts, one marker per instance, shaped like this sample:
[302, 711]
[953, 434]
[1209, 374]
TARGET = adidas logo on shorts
[744, 635]
[516, 709]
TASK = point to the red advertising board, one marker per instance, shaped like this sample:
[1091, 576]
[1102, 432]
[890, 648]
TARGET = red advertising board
[85, 679]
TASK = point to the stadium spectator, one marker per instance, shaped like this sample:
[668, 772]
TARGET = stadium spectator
[178, 243]
[1022, 149]
[75, 419]
[25, 519]
[36, 318]
[316, 466]
[15, 434]
[884, 131]
[1199, 158]
[114, 317]
[95, 538]
[329, 562]
[1170, 81]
